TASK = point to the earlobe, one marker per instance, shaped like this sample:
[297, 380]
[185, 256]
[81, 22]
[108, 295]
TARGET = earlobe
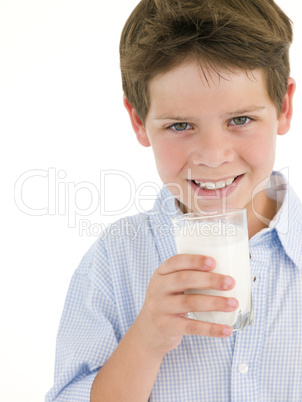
[287, 109]
[137, 124]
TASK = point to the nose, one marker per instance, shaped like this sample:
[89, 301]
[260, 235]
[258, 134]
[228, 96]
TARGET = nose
[212, 149]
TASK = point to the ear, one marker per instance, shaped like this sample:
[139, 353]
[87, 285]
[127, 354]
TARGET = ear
[137, 124]
[287, 108]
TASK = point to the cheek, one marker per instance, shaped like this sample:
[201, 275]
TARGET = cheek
[169, 159]
[260, 152]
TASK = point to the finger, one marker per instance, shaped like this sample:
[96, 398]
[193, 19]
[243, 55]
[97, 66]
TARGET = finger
[202, 328]
[202, 303]
[180, 262]
[180, 281]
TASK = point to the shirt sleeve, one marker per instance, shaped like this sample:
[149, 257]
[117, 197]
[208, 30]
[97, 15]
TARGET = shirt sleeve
[88, 332]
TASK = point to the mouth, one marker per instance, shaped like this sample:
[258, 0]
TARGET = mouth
[217, 188]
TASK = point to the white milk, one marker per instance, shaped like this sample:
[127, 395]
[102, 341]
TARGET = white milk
[232, 258]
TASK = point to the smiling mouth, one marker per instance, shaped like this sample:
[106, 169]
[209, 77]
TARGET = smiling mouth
[217, 185]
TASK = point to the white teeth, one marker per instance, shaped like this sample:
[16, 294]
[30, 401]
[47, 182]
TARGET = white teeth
[220, 184]
[209, 186]
[215, 186]
[229, 181]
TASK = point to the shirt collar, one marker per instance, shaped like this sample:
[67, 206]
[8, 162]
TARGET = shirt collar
[288, 225]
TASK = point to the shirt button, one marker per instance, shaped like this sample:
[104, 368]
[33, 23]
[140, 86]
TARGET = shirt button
[243, 368]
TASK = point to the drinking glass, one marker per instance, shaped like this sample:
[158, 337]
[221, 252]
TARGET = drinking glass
[224, 237]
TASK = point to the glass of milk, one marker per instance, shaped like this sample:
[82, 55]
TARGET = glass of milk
[224, 237]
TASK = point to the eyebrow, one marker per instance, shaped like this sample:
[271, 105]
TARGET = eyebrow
[166, 117]
[249, 109]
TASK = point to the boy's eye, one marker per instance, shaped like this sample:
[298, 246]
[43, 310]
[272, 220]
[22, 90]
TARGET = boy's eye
[240, 121]
[180, 126]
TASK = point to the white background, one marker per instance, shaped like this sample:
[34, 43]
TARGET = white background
[62, 120]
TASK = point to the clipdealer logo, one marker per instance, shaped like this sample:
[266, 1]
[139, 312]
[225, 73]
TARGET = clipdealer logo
[54, 195]
[76, 201]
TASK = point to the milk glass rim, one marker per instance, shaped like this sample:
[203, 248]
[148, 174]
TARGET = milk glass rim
[200, 216]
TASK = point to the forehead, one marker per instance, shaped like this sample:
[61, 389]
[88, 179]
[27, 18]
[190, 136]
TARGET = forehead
[190, 86]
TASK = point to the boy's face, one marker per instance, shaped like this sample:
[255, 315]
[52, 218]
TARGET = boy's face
[213, 138]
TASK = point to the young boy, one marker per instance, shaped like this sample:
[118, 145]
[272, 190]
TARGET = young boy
[207, 85]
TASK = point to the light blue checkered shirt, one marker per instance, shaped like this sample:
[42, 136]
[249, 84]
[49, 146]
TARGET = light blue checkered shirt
[261, 363]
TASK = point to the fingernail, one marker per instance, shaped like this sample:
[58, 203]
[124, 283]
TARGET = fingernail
[232, 302]
[227, 331]
[209, 262]
[228, 281]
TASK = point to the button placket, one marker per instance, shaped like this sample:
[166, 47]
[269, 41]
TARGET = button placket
[247, 351]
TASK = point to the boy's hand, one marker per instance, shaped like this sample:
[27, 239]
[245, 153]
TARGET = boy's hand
[162, 321]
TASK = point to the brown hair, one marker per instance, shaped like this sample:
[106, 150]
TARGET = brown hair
[161, 34]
